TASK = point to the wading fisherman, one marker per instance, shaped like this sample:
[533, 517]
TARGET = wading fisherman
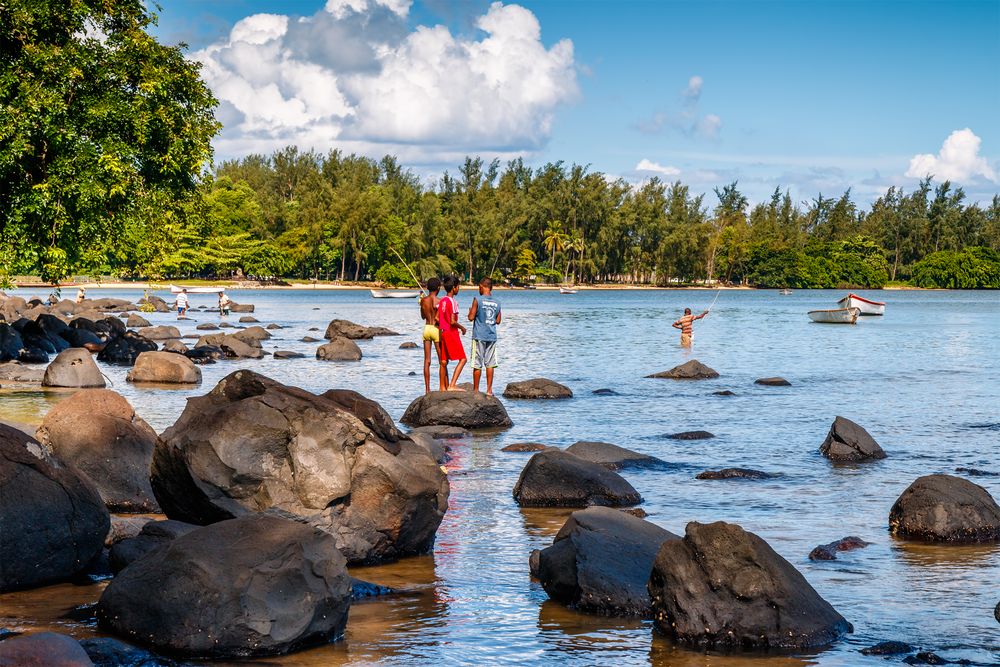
[686, 325]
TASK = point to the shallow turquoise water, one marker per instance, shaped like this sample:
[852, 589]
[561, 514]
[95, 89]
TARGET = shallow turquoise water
[924, 380]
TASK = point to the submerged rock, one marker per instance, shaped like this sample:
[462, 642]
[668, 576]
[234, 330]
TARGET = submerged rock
[600, 561]
[288, 354]
[690, 435]
[109, 652]
[847, 441]
[444, 432]
[887, 648]
[537, 388]
[613, 457]
[467, 409]
[690, 370]
[554, 478]
[976, 472]
[73, 367]
[408, 345]
[98, 432]
[724, 392]
[335, 461]
[56, 516]
[339, 349]
[605, 392]
[346, 329]
[253, 586]
[43, 649]
[945, 508]
[829, 551]
[773, 382]
[734, 473]
[723, 588]
[525, 447]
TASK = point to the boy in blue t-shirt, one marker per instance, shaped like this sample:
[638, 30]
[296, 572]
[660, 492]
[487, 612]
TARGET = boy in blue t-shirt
[485, 316]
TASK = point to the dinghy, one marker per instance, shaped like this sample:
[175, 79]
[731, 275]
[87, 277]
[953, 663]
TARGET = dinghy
[567, 290]
[785, 292]
[837, 316]
[866, 306]
[393, 294]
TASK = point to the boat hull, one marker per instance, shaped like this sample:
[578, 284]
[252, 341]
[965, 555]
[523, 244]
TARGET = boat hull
[387, 294]
[838, 316]
[174, 289]
[866, 306]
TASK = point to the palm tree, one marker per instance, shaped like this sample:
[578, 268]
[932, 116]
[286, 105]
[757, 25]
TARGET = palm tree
[555, 241]
[575, 244]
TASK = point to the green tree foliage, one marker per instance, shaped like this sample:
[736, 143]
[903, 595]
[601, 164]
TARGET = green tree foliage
[99, 126]
[971, 268]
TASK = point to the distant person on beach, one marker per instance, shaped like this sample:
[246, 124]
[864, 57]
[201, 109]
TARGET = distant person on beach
[224, 303]
[81, 294]
[485, 316]
[451, 340]
[182, 304]
[686, 325]
[432, 335]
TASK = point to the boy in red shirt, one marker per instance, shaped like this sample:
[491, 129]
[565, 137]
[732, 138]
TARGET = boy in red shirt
[451, 340]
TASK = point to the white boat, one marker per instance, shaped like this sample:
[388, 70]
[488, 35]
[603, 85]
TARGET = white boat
[785, 292]
[174, 289]
[393, 294]
[837, 316]
[866, 306]
[567, 290]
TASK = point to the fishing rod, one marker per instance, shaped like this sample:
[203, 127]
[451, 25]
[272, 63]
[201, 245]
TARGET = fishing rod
[415, 279]
[717, 293]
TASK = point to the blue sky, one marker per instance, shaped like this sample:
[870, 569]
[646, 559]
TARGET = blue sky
[810, 96]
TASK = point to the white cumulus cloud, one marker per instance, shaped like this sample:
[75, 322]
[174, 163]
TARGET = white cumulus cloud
[693, 90]
[648, 166]
[355, 76]
[958, 160]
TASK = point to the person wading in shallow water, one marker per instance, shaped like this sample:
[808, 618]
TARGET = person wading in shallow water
[686, 325]
[432, 335]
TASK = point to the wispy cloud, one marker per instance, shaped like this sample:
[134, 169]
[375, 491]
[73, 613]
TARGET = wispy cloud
[685, 117]
[648, 166]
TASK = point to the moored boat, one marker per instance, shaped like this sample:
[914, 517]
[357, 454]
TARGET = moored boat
[866, 306]
[785, 292]
[835, 316]
[393, 294]
[567, 290]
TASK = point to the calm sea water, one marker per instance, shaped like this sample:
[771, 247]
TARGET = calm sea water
[924, 380]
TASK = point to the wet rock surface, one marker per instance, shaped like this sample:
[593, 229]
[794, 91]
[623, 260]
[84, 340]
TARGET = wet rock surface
[335, 461]
[339, 349]
[73, 367]
[773, 382]
[466, 409]
[537, 388]
[58, 516]
[257, 585]
[525, 447]
[600, 561]
[723, 588]
[887, 648]
[690, 435]
[98, 432]
[164, 367]
[690, 370]
[555, 478]
[43, 649]
[847, 441]
[734, 473]
[945, 508]
[347, 329]
[612, 456]
[830, 551]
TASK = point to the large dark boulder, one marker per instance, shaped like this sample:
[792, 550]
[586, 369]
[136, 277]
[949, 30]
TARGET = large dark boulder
[467, 409]
[335, 461]
[124, 349]
[43, 649]
[83, 337]
[52, 520]
[689, 370]
[339, 349]
[10, 343]
[346, 329]
[613, 457]
[554, 478]
[164, 367]
[109, 652]
[537, 388]
[73, 367]
[723, 588]
[151, 536]
[945, 508]
[257, 585]
[99, 433]
[847, 441]
[600, 562]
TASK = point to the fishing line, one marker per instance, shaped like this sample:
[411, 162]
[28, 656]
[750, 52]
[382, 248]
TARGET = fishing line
[717, 293]
[415, 279]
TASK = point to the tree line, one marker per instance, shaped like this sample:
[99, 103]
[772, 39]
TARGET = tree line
[333, 216]
[105, 142]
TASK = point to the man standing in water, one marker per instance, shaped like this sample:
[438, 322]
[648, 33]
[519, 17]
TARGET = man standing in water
[182, 304]
[485, 316]
[686, 325]
[432, 335]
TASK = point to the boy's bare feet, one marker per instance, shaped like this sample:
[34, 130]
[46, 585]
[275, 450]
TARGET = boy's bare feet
[454, 388]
